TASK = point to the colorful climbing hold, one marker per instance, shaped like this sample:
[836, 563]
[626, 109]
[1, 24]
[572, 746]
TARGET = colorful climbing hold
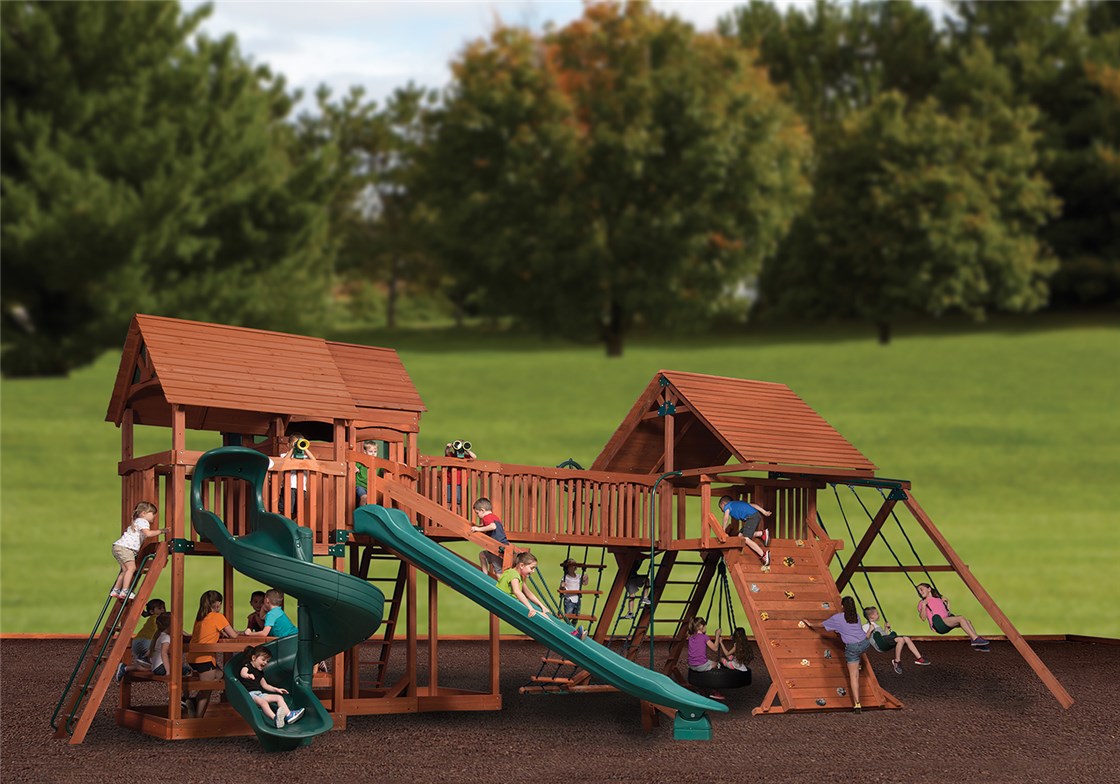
[789, 594]
[788, 560]
[804, 662]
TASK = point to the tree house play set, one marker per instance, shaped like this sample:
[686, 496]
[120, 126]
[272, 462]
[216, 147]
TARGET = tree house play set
[647, 507]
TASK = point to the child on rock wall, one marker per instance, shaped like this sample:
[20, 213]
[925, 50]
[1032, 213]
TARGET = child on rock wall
[751, 525]
[846, 624]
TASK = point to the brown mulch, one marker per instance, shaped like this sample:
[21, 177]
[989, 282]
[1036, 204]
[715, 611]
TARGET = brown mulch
[969, 717]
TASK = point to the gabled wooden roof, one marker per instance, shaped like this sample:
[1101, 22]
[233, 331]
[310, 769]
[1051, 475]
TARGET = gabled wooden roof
[720, 418]
[221, 371]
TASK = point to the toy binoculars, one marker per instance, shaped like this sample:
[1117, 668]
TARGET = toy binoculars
[461, 446]
[301, 446]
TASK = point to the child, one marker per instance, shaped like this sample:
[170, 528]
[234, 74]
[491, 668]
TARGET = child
[515, 582]
[461, 450]
[637, 582]
[255, 621]
[856, 643]
[739, 654]
[490, 525]
[934, 609]
[142, 642]
[699, 644]
[570, 586]
[209, 627]
[362, 480]
[293, 443]
[885, 642]
[128, 547]
[264, 693]
[750, 517]
[276, 621]
[160, 646]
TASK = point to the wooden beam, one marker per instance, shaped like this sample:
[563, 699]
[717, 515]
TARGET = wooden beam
[1041, 670]
[864, 544]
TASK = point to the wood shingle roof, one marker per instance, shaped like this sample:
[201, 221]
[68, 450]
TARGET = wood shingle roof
[205, 366]
[754, 422]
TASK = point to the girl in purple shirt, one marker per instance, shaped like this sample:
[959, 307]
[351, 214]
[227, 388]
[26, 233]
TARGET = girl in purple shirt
[855, 640]
[699, 644]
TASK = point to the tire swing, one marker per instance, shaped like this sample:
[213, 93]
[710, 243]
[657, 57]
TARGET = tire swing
[722, 678]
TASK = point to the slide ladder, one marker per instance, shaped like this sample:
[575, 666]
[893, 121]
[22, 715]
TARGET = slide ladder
[807, 670]
[393, 529]
[337, 611]
[394, 600]
[90, 680]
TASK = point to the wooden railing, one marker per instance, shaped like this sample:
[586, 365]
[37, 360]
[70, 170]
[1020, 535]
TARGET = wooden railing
[547, 504]
[323, 491]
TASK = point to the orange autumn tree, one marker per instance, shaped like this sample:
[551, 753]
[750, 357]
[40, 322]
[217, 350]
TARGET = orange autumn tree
[620, 171]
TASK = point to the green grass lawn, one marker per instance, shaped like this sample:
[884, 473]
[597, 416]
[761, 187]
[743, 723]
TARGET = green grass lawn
[1009, 431]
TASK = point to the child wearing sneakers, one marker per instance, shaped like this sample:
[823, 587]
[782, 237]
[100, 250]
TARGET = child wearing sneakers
[489, 524]
[261, 691]
[934, 609]
[751, 525]
[637, 584]
[846, 624]
[570, 586]
[128, 547]
[885, 643]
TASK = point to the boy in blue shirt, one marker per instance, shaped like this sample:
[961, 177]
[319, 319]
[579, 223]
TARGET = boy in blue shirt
[750, 517]
[276, 621]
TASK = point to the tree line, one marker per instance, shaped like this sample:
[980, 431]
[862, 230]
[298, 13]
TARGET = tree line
[841, 160]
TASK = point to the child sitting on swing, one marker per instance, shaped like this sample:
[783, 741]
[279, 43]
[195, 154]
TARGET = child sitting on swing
[934, 609]
[737, 653]
[885, 643]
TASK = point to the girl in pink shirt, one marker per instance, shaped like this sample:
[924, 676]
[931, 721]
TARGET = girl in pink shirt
[934, 610]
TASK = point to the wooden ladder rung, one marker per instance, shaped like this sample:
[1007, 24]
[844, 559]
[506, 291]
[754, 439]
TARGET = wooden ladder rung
[550, 660]
[543, 679]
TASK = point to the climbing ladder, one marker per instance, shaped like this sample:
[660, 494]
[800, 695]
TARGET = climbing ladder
[394, 599]
[89, 681]
[807, 670]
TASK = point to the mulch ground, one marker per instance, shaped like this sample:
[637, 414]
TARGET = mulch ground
[969, 717]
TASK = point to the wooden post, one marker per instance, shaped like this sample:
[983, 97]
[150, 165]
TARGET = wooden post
[433, 636]
[410, 652]
[1040, 669]
[175, 522]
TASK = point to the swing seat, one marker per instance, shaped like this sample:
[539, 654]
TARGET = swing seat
[723, 678]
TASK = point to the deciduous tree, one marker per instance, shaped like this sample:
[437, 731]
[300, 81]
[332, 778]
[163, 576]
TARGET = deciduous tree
[621, 170]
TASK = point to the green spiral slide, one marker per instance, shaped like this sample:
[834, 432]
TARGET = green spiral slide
[392, 528]
[336, 610]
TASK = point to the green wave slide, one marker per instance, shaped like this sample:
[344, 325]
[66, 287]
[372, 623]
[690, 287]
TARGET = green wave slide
[336, 610]
[392, 528]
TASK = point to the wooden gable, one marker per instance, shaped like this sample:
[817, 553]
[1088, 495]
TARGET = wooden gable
[719, 419]
[236, 379]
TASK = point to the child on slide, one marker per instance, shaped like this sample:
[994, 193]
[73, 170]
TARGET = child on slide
[268, 697]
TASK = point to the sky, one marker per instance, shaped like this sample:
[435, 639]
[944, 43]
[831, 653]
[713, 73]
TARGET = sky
[383, 45]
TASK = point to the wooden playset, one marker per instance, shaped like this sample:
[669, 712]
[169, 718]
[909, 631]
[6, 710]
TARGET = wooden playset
[645, 508]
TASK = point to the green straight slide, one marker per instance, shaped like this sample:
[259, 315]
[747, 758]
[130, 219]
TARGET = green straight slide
[392, 528]
[336, 610]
